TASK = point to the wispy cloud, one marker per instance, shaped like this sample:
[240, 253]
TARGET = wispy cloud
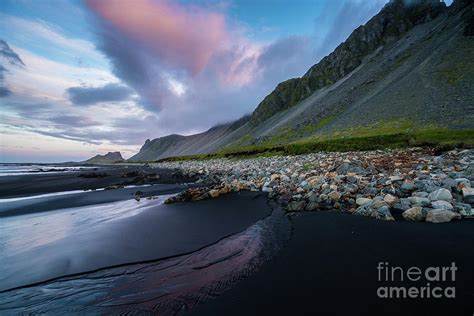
[111, 92]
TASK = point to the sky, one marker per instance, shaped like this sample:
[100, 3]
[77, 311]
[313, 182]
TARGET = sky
[80, 78]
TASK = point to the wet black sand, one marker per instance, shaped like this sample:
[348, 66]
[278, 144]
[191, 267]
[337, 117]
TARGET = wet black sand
[34, 183]
[329, 267]
[50, 203]
[159, 232]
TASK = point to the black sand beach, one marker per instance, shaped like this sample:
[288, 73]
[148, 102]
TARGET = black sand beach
[329, 267]
[159, 231]
[89, 179]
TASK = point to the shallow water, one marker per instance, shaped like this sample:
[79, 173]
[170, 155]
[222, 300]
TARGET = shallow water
[163, 286]
[15, 170]
[22, 233]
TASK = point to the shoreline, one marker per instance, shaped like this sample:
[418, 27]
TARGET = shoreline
[415, 184]
[328, 255]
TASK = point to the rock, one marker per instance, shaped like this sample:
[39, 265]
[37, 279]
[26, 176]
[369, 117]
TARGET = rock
[305, 185]
[443, 205]
[364, 210]
[464, 209]
[395, 178]
[267, 189]
[312, 206]
[407, 187]
[421, 194]
[275, 177]
[414, 200]
[403, 205]
[378, 203]
[390, 199]
[297, 197]
[441, 216]
[414, 214]
[440, 194]
[225, 189]
[296, 206]
[382, 213]
[214, 193]
[334, 195]
[352, 168]
[312, 197]
[468, 195]
[313, 181]
[363, 201]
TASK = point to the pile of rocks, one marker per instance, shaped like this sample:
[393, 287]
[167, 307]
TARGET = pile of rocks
[412, 183]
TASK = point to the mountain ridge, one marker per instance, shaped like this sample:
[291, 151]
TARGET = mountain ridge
[406, 63]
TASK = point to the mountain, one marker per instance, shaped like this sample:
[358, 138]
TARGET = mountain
[178, 145]
[108, 158]
[408, 67]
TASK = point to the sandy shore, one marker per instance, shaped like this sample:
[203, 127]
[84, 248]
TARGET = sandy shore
[329, 267]
[156, 232]
[32, 184]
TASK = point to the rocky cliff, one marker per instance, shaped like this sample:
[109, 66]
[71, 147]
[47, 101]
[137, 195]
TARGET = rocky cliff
[395, 19]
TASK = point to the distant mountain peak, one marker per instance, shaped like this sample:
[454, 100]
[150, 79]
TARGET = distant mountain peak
[109, 157]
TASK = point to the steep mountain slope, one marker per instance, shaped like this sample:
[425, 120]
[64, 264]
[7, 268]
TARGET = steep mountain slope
[110, 157]
[410, 66]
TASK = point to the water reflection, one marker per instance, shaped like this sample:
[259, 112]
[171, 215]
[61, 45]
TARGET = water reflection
[160, 287]
[25, 232]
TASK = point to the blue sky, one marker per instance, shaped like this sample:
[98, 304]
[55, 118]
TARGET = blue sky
[91, 76]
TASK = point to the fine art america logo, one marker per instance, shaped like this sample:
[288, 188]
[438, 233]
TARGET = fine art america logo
[415, 282]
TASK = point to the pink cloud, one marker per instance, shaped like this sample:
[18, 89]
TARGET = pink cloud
[186, 37]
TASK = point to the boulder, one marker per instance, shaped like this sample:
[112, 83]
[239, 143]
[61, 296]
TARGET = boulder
[403, 205]
[414, 214]
[364, 210]
[440, 194]
[443, 205]
[334, 195]
[390, 199]
[441, 216]
[296, 206]
[363, 201]
[382, 213]
[419, 201]
[468, 195]
[313, 181]
[214, 193]
[464, 209]
[407, 187]
[312, 206]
